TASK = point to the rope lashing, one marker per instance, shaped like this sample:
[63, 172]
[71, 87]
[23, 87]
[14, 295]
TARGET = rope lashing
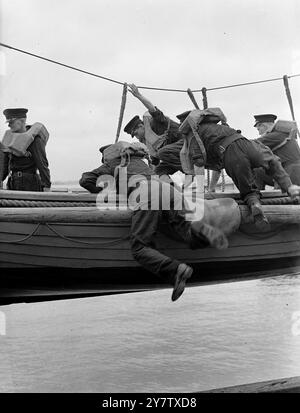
[205, 106]
[22, 239]
[141, 87]
[27, 237]
[289, 98]
[223, 181]
[115, 241]
[204, 98]
[275, 201]
[122, 110]
[47, 204]
[192, 97]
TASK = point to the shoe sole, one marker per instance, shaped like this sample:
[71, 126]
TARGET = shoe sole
[180, 283]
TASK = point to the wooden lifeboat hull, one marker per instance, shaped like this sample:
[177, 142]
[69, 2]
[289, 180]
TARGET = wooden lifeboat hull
[69, 251]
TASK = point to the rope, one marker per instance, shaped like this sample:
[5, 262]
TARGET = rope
[289, 98]
[192, 97]
[60, 64]
[208, 178]
[47, 204]
[115, 241]
[204, 98]
[288, 95]
[275, 201]
[223, 181]
[141, 87]
[22, 239]
[122, 110]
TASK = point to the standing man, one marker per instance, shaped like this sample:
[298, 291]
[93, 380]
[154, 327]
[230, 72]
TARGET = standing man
[24, 153]
[283, 144]
[166, 150]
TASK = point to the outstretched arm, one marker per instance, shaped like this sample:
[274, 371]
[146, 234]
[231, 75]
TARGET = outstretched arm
[136, 93]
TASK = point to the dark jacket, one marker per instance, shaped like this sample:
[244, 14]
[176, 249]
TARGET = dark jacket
[214, 136]
[160, 124]
[288, 153]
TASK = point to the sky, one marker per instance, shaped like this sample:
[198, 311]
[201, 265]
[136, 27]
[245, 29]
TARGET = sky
[156, 43]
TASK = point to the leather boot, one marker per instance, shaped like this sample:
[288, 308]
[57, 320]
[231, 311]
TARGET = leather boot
[184, 272]
[260, 220]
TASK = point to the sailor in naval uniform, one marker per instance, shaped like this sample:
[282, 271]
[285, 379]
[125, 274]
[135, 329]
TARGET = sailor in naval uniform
[165, 151]
[283, 145]
[23, 154]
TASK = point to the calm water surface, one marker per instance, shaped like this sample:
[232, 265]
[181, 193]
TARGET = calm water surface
[214, 336]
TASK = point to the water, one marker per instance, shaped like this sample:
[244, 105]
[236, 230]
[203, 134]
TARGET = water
[214, 336]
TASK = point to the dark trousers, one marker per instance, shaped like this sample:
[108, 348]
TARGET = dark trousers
[240, 158]
[169, 156]
[144, 226]
[293, 169]
[271, 170]
[22, 181]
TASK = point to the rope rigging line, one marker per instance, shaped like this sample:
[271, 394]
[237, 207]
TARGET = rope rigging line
[122, 111]
[22, 239]
[112, 242]
[54, 231]
[141, 87]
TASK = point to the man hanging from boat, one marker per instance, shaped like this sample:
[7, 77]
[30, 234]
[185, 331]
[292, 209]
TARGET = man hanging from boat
[159, 133]
[147, 219]
[211, 142]
[281, 138]
[24, 153]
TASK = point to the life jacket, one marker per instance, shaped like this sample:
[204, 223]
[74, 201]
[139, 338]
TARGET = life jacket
[18, 143]
[285, 126]
[153, 141]
[189, 130]
[122, 149]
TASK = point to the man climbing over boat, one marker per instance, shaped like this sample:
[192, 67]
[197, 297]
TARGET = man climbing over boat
[281, 138]
[159, 133]
[210, 142]
[24, 153]
[147, 221]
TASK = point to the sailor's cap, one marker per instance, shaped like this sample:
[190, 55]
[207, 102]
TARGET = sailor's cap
[16, 113]
[132, 125]
[268, 117]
